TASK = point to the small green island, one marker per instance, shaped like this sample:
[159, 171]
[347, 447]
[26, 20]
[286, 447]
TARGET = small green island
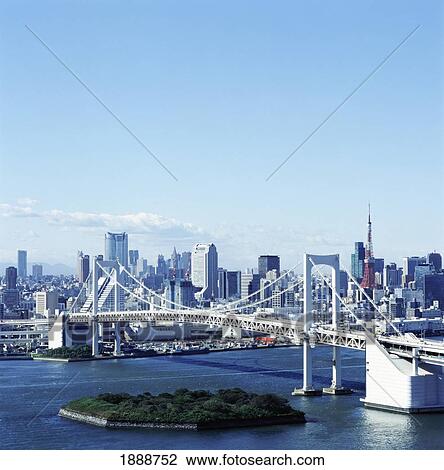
[183, 409]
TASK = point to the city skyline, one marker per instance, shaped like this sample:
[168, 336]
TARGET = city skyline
[236, 249]
[383, 146]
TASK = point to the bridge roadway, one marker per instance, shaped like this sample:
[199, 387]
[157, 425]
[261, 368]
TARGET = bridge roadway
[428, 351]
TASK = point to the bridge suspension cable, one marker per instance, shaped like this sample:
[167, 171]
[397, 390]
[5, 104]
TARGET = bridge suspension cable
[84, 284]
[161, 307]
[227, 306]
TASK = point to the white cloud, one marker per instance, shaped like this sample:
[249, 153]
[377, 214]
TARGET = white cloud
[135, 223]
[26, 201]
[12, 210]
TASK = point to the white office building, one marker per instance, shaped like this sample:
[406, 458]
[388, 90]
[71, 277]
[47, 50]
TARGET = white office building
[204, 270]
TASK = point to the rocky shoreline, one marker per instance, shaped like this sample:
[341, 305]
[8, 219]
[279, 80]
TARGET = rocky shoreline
[106, 423]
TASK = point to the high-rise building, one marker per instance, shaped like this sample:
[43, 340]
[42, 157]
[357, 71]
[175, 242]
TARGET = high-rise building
[162, 269]
[181, 292]
[22, 263]
[409, 265]
[368, 281]
[116, 247]
[436, 260]
[133, 257]
[233, 284]
[185, 263]
[434, 290]
[11, 277]
[267, 263]
[82, 267]
[343, 283]
[37, 272]
[392, 276]
[357, 261]
[46, 303]
[204, 270]
[422, 270]
[222, 283]
[175, 258]
[250, 283]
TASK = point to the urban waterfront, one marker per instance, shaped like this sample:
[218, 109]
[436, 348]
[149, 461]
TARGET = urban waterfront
[31, 394]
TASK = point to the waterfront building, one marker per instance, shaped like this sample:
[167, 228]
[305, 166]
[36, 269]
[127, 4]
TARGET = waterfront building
[268, 263]
[204, 270]
[22, 263]
[46, 303]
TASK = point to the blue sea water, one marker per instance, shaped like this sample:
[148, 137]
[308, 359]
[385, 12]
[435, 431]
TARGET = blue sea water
[32, 392]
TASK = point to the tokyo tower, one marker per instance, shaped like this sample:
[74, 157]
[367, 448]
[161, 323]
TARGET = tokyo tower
[368, 282]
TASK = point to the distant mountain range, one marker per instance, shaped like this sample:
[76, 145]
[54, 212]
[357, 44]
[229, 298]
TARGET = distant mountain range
[54, 269]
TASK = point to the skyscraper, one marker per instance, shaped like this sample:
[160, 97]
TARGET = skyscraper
[436, 260]
[133, 257]
[233, 283]
[10, 295]
[368, 282]
[116, 247]
[22, 263]
[267, 263]
[204, 270]
[37, 271]
[82, 267]
[11, 277]
[357, 261]
[392, 276]
[222, 284]
[409, 265]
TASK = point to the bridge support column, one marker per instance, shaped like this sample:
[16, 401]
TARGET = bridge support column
[117, 350]
[336, 387]
[307, 388]
[94, 337]
[95, 307]
[117, 342]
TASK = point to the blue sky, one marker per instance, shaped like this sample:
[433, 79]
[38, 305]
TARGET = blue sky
[221, 92]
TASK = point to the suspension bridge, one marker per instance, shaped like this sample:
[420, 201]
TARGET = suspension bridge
[403, 373]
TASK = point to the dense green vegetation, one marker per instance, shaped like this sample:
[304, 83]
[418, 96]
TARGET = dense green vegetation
[185, 407]
[75, 352]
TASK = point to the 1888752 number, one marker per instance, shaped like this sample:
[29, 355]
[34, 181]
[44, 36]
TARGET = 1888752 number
[149, 459]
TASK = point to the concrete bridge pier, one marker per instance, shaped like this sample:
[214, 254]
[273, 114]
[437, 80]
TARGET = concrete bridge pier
[307, 388]
[117, 342]
[116, 276]
[336, 387]
[95, 307]
[94, 337]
